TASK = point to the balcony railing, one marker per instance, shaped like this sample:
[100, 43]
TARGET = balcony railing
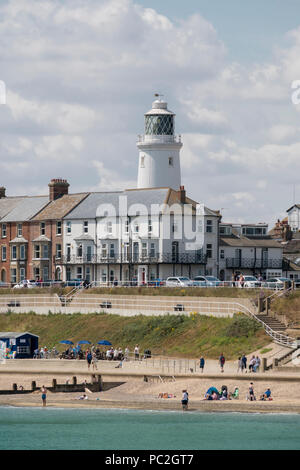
[252, 263]
[167, 258]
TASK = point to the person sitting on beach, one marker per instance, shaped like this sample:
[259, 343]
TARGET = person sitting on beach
[82, 397]
[235, 393]
[116, 354]
[266, 395]
[252, 363]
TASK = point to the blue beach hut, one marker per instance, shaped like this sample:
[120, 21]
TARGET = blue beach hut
[21, 344]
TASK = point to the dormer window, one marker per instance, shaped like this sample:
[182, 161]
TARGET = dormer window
[142, 161]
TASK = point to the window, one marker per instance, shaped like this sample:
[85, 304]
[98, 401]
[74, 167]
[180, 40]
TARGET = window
[45, 251]
[19, 230]
[37, 252]
[3, 253]
[79, 251]
[69, 227]
[58, 251]
[68, 252]
[79, 272]
[222, 254]
[109, 227]
[142, 161]
[144, 250]
[175, 227]
[58, 227]
[104, 250]
[199, 226]
[3, 231]
[112, 275]
[136, 227]
[152, 250]
[126, 226]
[14, 252]
[150, 226]
[171, 163]
[22, 251]
[85, 227]
[22, 274]
[209, 226]
[112, 250]
[103, 275]
[45, 273]
[42, 228]
[225, 230]
[209, 250]
[13, 275]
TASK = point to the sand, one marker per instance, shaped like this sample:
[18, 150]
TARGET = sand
[135, 393]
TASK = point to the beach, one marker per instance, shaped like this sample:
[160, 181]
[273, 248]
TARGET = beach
[133, 392]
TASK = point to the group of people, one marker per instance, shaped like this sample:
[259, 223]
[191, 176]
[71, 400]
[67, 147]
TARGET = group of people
[45, 353]
[254, 364]
[238, 279]
[214, 394]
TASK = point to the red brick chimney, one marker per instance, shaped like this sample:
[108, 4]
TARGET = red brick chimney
[182, 195]
[2, 192]
[57, 188]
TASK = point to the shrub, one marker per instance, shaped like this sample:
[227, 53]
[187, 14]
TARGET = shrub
[242, 326]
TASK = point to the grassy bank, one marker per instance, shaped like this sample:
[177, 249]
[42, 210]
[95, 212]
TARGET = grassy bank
[288, 305]
[173, 335]
[156, 291]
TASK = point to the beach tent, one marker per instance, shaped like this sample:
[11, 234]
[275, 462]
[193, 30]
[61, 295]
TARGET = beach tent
[66, 341]
[22, 345]
[104, 342]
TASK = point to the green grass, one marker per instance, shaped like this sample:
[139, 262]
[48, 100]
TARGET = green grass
[265, 350]
[173, 335]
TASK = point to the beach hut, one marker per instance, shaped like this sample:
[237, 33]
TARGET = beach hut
[21, 344]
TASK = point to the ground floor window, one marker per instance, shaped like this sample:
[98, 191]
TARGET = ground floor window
[68, 274]
[13, 275]
[103, 275]
[22, 274]
[79, 272]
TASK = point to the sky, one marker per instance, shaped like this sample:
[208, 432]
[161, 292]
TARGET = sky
[80, 74]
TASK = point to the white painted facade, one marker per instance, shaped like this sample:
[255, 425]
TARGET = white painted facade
[294, 218]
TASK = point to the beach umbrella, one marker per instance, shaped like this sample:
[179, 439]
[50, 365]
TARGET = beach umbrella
[104, 342]
[66, 341]
[84, 342]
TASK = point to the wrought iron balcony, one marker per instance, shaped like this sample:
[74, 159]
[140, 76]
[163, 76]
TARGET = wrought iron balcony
[252, 263]
[167, 258]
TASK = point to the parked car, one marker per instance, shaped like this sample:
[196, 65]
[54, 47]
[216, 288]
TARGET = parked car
[206, 281]
[178, 282]
[250, 281]
[277, 283]
[26, 283]
[156, 283]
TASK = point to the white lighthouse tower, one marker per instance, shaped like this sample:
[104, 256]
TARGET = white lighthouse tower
[159, 148]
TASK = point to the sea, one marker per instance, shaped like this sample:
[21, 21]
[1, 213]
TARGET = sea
[109, 429]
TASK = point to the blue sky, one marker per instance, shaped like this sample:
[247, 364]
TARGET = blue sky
[80, 74]
[249, 29]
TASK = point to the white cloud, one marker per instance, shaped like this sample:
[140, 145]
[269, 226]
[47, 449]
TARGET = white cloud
[80, 75]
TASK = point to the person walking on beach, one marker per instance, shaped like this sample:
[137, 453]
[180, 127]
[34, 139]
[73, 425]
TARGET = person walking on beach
[89, 358]
[251, 395]
[244, 359]
[94, 361]
[136, 352]
[44, 395]
[240, 365]
[222, 362]
[202, 363]
[185, 400]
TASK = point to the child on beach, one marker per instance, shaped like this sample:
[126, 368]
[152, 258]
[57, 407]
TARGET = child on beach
[44, 395]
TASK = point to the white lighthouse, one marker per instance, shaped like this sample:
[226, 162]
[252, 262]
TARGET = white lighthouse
[159, 148]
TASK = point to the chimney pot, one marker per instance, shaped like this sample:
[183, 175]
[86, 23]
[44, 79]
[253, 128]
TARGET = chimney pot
[58, 187]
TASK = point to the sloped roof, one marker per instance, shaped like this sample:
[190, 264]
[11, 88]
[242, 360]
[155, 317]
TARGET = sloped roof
[26, 208]
[60, 207]
[247, 242]
[12, 334]
[7, 204]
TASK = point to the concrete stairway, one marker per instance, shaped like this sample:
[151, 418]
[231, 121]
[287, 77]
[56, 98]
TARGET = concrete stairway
[273, 323]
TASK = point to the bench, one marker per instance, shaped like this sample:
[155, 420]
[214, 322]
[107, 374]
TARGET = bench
[13, 303]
